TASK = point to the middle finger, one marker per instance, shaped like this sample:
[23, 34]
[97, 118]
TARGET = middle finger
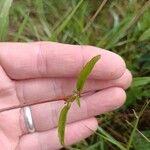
[49, 89]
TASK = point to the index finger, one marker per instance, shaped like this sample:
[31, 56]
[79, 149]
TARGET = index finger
[49, 59]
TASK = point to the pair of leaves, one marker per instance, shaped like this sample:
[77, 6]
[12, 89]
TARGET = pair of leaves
[85, 72]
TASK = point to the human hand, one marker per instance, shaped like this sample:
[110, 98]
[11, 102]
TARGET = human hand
[43, 74]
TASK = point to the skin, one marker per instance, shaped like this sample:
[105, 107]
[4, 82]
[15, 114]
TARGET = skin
[44, 74]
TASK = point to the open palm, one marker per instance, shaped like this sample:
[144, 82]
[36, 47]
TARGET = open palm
[42, 75]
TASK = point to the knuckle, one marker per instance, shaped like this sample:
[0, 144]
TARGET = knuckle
[41, 60]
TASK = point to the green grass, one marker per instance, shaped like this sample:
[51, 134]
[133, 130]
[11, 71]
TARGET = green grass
[120, 26]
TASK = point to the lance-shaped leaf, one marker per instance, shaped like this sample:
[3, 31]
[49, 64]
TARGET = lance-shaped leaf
[85, 73]
[62, 122]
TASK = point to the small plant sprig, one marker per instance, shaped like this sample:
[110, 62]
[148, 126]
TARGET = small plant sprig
[85, 72]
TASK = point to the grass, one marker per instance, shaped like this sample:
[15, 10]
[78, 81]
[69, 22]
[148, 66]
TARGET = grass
[120, 26]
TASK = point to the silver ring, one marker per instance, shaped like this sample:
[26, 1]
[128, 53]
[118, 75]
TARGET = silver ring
[28, 119]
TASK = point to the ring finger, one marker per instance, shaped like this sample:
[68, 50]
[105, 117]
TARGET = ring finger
[45, 116]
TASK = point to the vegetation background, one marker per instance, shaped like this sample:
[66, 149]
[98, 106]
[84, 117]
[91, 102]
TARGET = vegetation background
[122, 26]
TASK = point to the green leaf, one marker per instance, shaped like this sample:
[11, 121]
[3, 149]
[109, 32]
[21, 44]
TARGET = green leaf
[141, 143]
[21, 28]
[106, 136]
[62, 122]
[85, 73]
[78, 101]
[65, 22]
[4, 18]
[140, 81]
[145, 35]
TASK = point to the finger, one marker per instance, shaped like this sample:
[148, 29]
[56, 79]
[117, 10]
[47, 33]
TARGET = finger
[40, 90]
[75, 132]
[45, 116]
[10, 130]
[48, 59]
[7, 91]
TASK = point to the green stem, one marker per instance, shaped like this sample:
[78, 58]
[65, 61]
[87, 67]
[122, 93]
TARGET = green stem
[136, 124]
